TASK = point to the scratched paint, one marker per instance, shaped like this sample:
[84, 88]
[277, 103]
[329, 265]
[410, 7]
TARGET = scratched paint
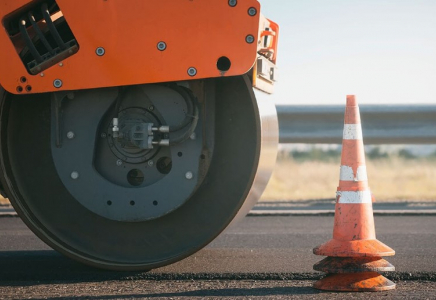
[347, 174]
[354, 196]
[353, 265]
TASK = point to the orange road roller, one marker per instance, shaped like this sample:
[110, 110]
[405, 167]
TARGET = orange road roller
[130, 133]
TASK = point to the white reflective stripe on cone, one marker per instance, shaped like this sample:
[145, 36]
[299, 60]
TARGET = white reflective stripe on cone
[352, 132]
[347, 174]
[354, 197]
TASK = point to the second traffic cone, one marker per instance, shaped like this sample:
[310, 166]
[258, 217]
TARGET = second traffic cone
[354, 253]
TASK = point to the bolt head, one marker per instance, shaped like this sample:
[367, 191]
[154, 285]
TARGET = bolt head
[252, 11]
[100, 51]
[74, 175]
[150, 163]
[119, 162]
[249, 39]
[151, 108]
[193, 136]
[61, 64]
[192, 71]
[42, 74]
[161, 46]
[57, 83]
[189, 175]
[233, 3]
[70, 135]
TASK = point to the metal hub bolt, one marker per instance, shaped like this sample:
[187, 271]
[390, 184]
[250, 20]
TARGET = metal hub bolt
[70, 135]
[161, 46]
[192, 71]
[119, 162]
[74, 175]
[150, 163]
[189, 175]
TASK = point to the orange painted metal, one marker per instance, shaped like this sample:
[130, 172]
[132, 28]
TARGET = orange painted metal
[196, 34]
[355, 282]
[354, 252]
[271, 49]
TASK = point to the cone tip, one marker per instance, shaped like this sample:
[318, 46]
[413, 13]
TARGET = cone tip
[351, 100]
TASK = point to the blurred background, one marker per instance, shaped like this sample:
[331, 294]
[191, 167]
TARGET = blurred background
[384, 52]
[396, 173]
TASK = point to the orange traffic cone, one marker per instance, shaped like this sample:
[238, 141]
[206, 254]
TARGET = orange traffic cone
[354, 253]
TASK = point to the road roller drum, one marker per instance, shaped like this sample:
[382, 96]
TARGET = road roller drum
[126, 146]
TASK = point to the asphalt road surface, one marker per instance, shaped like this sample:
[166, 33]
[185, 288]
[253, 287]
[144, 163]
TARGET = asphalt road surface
[261, 257]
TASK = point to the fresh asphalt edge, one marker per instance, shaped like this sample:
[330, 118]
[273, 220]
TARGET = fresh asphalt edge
[290, 212]
[96, 276]
[285, 213]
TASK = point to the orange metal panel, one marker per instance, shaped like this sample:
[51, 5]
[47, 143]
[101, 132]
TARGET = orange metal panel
[197, 34]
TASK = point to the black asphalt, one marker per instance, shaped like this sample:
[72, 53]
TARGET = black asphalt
[259, 257]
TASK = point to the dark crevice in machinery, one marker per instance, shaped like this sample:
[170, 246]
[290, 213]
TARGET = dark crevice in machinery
[41, 36]
[164, 165]
[135, 177]
[223, 64]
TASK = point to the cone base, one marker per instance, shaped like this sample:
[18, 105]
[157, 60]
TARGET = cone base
[356, 248]
[355, 282]
[353, 265]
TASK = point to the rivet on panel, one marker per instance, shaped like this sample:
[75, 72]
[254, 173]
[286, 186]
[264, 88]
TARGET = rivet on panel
[249, 39]
[252, 11]
[100, 51]
[192, 71]
[161, 46]
[57, 83]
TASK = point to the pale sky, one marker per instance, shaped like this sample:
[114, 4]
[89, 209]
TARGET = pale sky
[383, 51]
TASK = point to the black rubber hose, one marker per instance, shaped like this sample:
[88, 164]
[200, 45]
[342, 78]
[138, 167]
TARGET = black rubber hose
[183, 137]
[28, 41]
[53, 31]
[40, 34]
[119, 100]
[189, 111]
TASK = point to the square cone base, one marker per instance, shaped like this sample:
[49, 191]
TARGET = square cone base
[355, 282]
